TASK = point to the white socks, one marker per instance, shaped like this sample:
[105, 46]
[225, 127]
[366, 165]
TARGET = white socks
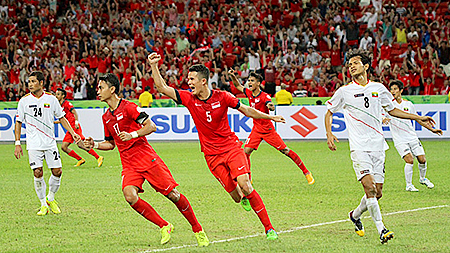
[53, 183]
[361, 208]
[374, 210]
[41, 188]
[409, 173]
[423, 170]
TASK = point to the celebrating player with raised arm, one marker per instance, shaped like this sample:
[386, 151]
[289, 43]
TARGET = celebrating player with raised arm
[363, 101]
[223, 152]
[72, 117]
[37, 110]
[263, 129]
[405, 138]
[126, 126]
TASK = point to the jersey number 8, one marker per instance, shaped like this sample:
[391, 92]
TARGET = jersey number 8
[366, 102]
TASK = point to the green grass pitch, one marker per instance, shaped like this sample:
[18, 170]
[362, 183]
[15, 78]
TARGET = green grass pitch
[96, 218]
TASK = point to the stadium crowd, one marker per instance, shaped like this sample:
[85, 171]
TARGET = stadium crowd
[298, 45]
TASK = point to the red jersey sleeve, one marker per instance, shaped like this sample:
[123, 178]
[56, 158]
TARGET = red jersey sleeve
[69, 106]
[247, 93]
[135, 113]
[267, 99]
[108, 136]
[231, 100]
[183, 97]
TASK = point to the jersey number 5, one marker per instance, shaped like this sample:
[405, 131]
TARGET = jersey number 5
[208, 116]
[37, 112]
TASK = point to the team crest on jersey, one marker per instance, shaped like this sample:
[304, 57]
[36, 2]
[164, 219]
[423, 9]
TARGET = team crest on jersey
[406, 109]
[374, 94]
[46, 105]
[257, 100]
[119, 116]
[359, 95]
[215, 105]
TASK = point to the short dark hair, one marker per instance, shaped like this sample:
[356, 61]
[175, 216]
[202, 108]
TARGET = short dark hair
[39, 75]
[62, 91]
[202, 71]
[364, 55]
[398, 83]
[112, 81]
[147, 88]
[258, 77]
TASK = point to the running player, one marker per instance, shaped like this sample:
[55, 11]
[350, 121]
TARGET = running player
[37, 110]
[263, 129]
[126, 126]
[405, 139]
[362, 102]
[223, 150]
[72, 117]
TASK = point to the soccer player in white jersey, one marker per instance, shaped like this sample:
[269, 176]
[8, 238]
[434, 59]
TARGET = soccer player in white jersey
[362, 102]
[405, 138]
[37, 110]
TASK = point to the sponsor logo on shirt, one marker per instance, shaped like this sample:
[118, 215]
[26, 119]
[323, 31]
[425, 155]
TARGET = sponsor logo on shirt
[374, 94]
[359, 95]
[46, 105]
[32, 106]
[364, 171]
[215, 105]
[119, 116]
[257, 100]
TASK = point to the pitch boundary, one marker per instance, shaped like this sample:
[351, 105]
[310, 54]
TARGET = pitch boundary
[292, 229]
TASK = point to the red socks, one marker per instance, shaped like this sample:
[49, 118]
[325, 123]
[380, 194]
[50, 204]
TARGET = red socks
[298, 161]
[93, 153]
[259, 208]
[185, 208]
[146, 210]
[74, 155]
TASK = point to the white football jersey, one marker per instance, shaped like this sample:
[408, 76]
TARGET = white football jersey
[362, 107]
[402, 129]
[38, 115]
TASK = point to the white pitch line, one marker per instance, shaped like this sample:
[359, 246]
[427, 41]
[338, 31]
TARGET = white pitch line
[292, 229]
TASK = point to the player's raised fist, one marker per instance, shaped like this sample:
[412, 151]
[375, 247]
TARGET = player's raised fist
[154, 58]
[231, 72]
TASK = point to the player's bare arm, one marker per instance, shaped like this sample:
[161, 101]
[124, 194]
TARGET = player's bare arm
[236, 82]
[147, 128]
[425, 121]
[75, 114]
[89, 144]
[160, 84]
[252, 113]
[67, 126]
[18, 152]
[330, 136]
[270, 106]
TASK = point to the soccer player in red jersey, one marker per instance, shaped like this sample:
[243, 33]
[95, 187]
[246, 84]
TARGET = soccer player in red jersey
[222, 149]
[126, 126]
[263, 129]
[72, 117]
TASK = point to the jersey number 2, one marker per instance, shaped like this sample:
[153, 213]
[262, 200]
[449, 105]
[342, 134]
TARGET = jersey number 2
[366, 102]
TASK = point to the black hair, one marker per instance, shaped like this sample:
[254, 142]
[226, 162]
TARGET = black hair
[62, 91]
[364, 55]
[202, 71]
[258, 77]
[39, 75]
[147, 88]
[398, 83]
[112, 81]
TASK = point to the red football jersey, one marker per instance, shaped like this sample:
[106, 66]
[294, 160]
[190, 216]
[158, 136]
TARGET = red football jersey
[211, 119]
[68, 107]
[135, 154]
[260, 103]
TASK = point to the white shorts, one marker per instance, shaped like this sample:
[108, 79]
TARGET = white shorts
[368, 163]
[51, 156]
[415, 148]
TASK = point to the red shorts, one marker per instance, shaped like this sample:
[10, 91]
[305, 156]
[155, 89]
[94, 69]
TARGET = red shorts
[68, 137]
[158, 175]
[271, 137]
[228, 166]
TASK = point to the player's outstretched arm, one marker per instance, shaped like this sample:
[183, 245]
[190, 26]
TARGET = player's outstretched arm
[252, 113]
[18, 152]
[160, 84]
[330, 136]
[425, 121]
[236, 82]
[67, 126]
[147, 128]
[89, 144]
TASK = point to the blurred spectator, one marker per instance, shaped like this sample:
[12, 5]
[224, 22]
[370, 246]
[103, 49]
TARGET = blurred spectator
[283, 96]
[145, 99]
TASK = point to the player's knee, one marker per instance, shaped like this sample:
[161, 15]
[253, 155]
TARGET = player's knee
[285, 151]
[130, 196]
[174, 195]
[246, 187]
[57, 172]
[248, 151]
[409, 159]
[38, 172]
[421, 160]
[379, 195]
[370, 190]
